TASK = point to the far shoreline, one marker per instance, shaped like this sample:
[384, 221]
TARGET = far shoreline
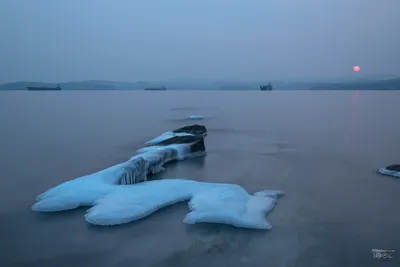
[278, 85]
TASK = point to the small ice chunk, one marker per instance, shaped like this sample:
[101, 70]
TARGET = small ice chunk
[231, 204]
[195, 117]
[391, 170]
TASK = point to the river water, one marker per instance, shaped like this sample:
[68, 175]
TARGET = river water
[321, 147]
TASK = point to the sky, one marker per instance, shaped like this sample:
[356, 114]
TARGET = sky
[159, 40]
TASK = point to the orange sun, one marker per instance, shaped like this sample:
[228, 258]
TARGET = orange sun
[356, 68]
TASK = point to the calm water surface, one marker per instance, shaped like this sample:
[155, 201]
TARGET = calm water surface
[321, 148]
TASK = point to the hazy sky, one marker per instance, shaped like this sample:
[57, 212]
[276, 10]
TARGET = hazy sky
[130, 40]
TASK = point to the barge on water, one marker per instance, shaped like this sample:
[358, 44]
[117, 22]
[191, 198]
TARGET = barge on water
[267, 87]
[40, 88]
[162, 88]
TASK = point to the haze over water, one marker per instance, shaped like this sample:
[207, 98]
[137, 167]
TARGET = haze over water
[321, 148]
[148, 40]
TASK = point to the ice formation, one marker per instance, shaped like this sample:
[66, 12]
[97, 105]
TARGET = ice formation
[391, 170]
[121, 193]
[119, 204]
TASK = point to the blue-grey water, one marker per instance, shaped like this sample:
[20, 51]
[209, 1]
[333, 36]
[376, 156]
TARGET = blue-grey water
[321, 148]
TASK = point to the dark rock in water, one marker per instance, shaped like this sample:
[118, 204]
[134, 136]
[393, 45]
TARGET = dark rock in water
[199, 146]
[192, 129]
[150, 160]
[187, 139]
[395, 167]
[195, 143]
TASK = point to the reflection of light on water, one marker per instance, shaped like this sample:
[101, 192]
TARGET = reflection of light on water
[355, 118]
[356, 96]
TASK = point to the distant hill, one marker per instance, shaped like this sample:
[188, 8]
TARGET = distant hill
[23, 85]
[112, 85]
[391, 84]
[81, 85]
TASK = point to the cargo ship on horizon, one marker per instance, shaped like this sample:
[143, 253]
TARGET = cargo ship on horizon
[42, 88]
[267, 87]
[163, 88]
